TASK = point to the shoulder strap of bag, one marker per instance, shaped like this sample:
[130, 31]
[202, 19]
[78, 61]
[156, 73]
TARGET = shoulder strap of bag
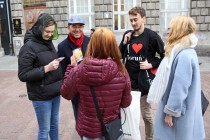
[126, 51]
[98, 109]
[125, 54]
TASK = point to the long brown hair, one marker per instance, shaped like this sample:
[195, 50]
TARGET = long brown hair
[180, 29]
[103, 45]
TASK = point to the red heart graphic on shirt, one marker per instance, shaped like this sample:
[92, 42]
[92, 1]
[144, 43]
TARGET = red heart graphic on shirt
[137, 47]
[153, 71]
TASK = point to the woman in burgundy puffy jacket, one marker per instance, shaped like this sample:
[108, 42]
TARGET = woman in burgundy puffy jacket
[102, 68]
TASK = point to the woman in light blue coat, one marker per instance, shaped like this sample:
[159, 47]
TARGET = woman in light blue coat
[179, 116]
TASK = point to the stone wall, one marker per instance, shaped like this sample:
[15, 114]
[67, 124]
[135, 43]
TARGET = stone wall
[152, 14]
[200, 11]
[103, 13]
[17, 12]
[59, 10]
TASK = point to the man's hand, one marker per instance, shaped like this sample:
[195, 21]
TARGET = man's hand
[127, 38]
[144, 65]
[73, 60]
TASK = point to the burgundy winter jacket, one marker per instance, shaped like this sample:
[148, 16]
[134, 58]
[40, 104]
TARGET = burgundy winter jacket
[112, 91]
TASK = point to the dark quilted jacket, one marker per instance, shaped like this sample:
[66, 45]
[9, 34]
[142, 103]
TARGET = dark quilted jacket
[112, 91]
[33, 56]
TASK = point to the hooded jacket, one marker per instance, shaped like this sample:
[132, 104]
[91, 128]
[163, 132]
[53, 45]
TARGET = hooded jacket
[33, 56]
[112, 91]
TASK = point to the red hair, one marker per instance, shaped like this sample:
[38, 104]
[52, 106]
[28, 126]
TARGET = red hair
[103, 45]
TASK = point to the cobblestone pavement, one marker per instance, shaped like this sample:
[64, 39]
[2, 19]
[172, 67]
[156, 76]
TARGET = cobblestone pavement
[17, 116]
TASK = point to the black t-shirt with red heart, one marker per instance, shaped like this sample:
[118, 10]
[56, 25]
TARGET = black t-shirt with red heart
[139, 48]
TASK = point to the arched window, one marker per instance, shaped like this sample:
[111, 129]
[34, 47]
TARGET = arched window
[85, 9]
[120, 14]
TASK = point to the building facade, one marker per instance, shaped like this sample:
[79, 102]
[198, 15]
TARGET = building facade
[109, 13]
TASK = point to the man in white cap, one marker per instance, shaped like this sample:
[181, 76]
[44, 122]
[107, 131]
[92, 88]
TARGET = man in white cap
[75, 39]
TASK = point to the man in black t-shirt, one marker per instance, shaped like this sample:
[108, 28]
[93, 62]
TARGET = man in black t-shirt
[139, 48]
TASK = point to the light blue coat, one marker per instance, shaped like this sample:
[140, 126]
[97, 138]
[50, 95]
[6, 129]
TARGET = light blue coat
[182, 100]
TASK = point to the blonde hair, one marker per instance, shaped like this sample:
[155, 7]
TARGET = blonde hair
[180, 29]
[103, 45]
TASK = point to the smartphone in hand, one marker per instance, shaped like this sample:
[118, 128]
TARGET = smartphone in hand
[60, 59]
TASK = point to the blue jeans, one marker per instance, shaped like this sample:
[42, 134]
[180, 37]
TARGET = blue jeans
[47, 113]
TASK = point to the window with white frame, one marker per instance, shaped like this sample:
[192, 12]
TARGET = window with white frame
[121, 18]
[171, 8]
[85, 9]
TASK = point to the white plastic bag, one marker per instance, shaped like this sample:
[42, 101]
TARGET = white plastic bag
[130, 118]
